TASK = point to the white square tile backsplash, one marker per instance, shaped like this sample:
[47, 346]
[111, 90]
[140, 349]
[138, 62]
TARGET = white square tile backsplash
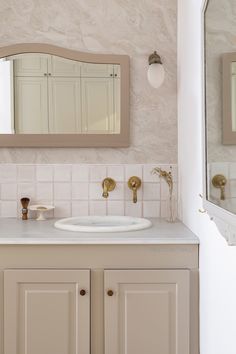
[9, 191]
[44, 173]
[77, 189]
[62, 173]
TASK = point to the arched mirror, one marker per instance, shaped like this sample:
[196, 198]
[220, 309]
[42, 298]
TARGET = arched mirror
[220, 113]
[51, 96]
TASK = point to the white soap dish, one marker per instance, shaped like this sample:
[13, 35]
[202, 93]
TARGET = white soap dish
[41, 209]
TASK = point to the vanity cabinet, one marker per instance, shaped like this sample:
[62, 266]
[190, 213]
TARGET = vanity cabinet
[99, 299]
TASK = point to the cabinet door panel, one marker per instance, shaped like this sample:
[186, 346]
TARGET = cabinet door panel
[31, 105]
[30, 65]
[148, 313]
[64, 105]
[116, 105]
[97, 105]
[64, 67]
[96, 70]
[44, 312]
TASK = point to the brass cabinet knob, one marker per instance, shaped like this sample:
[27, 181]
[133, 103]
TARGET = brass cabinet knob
[110, 293]
[82, 292]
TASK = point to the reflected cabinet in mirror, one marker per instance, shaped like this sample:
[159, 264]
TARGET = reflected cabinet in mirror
[51, 96]
[220, 103]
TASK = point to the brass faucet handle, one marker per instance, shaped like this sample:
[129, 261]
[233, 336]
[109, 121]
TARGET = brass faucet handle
[108, 185]
[134, 183]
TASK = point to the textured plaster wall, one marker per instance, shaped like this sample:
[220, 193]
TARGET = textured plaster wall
[220, 38]
[133, 27]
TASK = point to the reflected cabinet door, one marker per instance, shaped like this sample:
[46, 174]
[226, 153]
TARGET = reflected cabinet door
[31, 105]
[97, 70]
[147, 312]
[63, 67]
[31, 65]
[98, 114]
[46, 312]
[64, 105]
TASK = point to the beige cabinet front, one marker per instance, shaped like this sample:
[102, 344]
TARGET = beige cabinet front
[47, 312]
[147, 311]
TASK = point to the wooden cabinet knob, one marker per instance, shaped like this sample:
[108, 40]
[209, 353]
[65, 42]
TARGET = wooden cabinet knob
[110, 293]
[82, 292]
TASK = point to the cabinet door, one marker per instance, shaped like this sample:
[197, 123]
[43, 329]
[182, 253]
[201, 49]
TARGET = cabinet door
[96, 70]
[44, 312]
[31, 105]
[148, 312]
[64, 105]
[63, 67]
[97, 105]
[117, 105]
[30, 64]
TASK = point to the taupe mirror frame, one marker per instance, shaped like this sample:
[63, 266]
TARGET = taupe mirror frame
[74, 140]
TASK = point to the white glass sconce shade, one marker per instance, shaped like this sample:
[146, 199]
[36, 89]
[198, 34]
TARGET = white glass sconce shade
[156, 71]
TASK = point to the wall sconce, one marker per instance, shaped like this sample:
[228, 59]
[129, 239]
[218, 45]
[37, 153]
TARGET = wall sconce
[156, 71]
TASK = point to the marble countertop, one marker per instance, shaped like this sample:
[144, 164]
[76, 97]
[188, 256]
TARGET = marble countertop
[13, 231]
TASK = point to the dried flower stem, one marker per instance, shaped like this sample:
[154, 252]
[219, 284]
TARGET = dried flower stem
[167, 176]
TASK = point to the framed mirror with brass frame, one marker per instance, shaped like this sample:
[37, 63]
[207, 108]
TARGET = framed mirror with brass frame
[216, 204]
[85, 97]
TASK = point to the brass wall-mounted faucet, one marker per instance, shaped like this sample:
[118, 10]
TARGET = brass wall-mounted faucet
[134, 183]
[219, 181]
[108, 185]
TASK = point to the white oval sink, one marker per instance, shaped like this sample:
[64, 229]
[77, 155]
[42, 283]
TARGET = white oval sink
[103, 224]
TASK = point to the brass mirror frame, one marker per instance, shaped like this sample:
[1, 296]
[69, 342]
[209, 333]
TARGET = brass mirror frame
[74, 140]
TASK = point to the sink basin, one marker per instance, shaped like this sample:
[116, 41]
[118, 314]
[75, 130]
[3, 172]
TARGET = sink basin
[102, 224]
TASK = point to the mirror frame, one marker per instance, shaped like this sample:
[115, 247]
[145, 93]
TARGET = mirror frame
[224, 219]
[75, 140]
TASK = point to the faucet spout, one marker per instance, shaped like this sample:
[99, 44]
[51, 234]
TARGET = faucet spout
[135, 195]
[105, 193]
[134, 184]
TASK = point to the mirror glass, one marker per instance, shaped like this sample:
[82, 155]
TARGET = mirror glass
[220, 91]
[48, 94]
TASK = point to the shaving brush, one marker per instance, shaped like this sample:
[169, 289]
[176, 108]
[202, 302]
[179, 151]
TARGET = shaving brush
[25, 203]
